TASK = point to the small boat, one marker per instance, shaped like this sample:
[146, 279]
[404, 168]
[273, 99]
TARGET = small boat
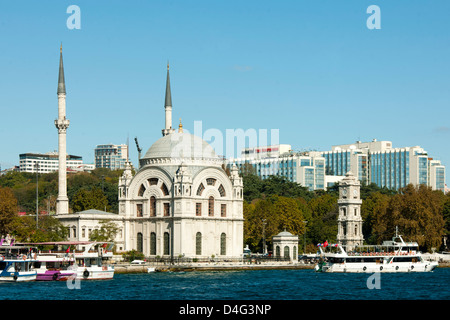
[16, 262]
[92, 262]
[55, 266]
[88, 263]
[392, 256]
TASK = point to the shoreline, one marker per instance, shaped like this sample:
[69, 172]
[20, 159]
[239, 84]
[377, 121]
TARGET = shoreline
[143, 268]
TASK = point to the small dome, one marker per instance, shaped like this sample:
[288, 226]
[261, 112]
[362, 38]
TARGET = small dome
[285, 233]
[181, 145]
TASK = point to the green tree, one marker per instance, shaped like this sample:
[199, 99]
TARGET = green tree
[372, 207]
[418, 213]
[85, 199]
[107, 231]
[8, 211]
[322, 224]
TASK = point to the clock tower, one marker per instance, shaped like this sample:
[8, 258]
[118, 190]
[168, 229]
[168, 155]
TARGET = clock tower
[349, 220]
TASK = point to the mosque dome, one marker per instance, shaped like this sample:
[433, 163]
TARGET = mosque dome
[181, 145]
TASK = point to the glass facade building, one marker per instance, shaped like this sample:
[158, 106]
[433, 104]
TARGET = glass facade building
[111, 156]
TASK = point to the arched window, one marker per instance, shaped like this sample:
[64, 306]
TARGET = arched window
[165, 190]
[166, 243]
[140, 242]
[152, 206]
[211, 206]
[200, 189]
[286, 252]
[141, 191]
[277, 251]
[198, 243]
[222, 191]
[153, 243]
[356, 229]
[223, 244]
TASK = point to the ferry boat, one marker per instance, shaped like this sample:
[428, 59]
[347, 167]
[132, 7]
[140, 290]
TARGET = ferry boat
[16, 262]
[55, 264]
[392, 256]
[85, 264]
[91, 262]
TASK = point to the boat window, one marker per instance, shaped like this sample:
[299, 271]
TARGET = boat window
[2, 265]
[403, 259]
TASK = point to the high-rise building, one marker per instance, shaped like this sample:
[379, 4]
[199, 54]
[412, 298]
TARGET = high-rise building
[305, 168]
[378, 162]
[111, 156]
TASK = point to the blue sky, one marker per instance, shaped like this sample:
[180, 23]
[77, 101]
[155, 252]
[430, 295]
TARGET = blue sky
[311, 69]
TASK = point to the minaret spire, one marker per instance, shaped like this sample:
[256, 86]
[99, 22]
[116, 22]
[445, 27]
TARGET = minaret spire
[61, 81]
[62, 202]
[168, 106]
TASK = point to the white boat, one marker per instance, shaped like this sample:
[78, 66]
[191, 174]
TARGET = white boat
[92, 261]
[88, 263]
[16, 263]
[392, 256]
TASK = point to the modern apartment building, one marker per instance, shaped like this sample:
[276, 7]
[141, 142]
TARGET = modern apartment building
[47, 162]
[111, 156]
[305, 168]
[378, 162]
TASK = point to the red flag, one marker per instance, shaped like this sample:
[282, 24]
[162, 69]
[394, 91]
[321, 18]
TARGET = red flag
[68, 249]
[325, 243]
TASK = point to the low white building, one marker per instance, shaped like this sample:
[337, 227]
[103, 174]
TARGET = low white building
[47, 162]
[285, 245]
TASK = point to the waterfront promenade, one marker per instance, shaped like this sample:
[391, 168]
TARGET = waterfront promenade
[126, 267]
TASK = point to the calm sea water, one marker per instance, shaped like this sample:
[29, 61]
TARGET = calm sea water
[241, 285]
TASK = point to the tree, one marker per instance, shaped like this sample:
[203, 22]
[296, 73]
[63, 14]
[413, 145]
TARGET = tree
[417, 212]
[89, 199]
[49, 229]
[107, 232]
[372, 208]
[322, 224]
[8, 211]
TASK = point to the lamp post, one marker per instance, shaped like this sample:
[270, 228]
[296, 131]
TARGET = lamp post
[304, 238]
[264, 235]
[37, 194]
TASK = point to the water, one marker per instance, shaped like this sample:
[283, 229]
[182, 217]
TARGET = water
[241, 285]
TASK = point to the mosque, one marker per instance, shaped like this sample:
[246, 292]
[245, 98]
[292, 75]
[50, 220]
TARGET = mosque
[180, 203]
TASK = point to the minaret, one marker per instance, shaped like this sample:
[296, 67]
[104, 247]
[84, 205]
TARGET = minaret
[168, 107]
[62, 202]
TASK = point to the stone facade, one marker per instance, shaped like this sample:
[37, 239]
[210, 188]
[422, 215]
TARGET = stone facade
[349, 220]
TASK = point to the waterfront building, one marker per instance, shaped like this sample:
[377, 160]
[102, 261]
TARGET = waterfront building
[81, 225]
[181, 202]
[48, 162]
[285, 245]
[111, 156]
[349, 219]
[306, 168]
